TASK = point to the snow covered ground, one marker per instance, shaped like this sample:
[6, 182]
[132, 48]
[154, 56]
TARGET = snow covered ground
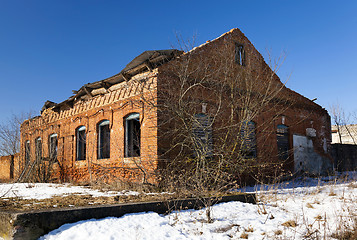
[300, 209]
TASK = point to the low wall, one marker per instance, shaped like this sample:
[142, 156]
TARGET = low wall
[33, 224]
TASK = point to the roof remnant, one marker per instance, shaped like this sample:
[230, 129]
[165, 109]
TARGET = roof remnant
[48, 104]
[146, 61]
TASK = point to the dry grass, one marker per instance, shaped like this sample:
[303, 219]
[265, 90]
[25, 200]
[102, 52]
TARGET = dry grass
[350, 234]
[244, 235]
[122, 185]
[346, 230]
[74, 200]
[290, 223]
[318, 218]
[320, 226]
[332, 193]
[309, 205]
[249, 229]
[352, 185]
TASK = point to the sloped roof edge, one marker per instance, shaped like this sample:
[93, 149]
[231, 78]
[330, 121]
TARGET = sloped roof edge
[152, 57]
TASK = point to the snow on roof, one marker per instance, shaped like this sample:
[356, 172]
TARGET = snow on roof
[210, 41]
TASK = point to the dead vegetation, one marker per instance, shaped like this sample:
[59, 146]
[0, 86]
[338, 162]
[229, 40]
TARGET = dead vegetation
[75, 200]
[347, 234]
[290, 223]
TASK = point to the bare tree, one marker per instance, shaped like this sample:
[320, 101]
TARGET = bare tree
[10, 133]
[36, 167]
[208, 102]
[341, 120]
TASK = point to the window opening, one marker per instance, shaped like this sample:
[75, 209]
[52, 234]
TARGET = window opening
[283, 141]
[53, 143]
[103, 140]
[202, 133]
[81, 143]
[38, 144]
[248, 138]
[27, 152]
[240, 55]
[132, 135]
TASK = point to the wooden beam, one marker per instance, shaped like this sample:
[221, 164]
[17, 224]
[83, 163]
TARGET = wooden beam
[148, 66]
[125, 76]
[88, 92]
[105, 85]
[69, 104]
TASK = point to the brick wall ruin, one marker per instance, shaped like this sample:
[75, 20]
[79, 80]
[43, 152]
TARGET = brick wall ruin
[9, 169]
[141, 89]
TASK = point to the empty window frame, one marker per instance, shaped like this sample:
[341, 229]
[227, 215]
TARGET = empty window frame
[248, 139]
[81, 143]
[38, 148]
[239, 54]
[103, 140]
[52, 147]
[202, 134]
[282, 135]
[27, 152]
[132, 135]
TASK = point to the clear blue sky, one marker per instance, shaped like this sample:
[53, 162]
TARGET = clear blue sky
[50, 47]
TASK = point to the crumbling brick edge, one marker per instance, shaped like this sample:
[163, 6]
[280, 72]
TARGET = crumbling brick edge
[33, 224]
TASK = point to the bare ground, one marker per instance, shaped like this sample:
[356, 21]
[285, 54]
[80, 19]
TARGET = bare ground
[18, 204]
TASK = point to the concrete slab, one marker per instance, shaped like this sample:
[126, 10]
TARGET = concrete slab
[33, 224]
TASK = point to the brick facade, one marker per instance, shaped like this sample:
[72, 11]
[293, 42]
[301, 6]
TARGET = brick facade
[136, 90]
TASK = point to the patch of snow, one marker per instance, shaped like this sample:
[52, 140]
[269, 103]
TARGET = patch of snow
[49, 190]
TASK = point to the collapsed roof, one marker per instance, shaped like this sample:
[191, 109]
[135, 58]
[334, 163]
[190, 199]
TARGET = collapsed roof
[147, 61]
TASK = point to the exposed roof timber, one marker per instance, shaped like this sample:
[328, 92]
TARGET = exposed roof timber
[106, 85]
[148, 60]
[87, 90]
[148, 65]
[151, 55]
[48, 104]
[67, 103]
[125, 76]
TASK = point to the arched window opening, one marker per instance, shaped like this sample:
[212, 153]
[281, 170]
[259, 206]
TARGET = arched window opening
[248, 138]
[132, 135]
[27, 152]
[239, 54]
[38, 148]
[103, 139]
[81, 143]
[282, 135]
[52, 147]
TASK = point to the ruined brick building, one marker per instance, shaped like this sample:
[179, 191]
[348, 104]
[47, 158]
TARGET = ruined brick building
[125, 126]
[344, 147]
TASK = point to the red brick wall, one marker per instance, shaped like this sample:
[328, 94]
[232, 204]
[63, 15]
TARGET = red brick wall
[113, 106]
[9, 167]
[203, 62]
[5, 163]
